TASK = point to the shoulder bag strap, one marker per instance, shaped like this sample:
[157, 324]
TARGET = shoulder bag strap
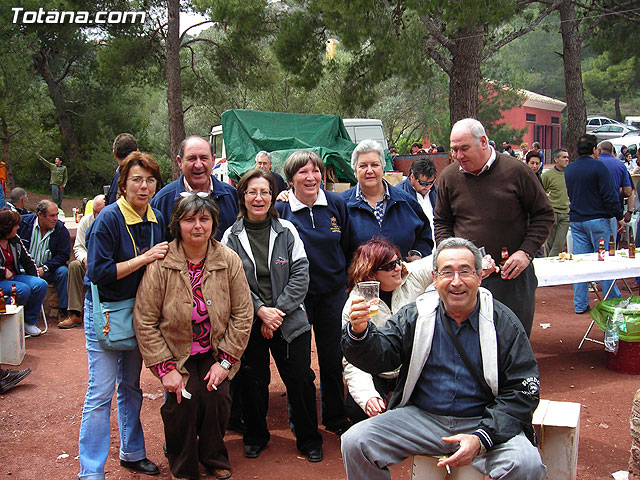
[474, 373]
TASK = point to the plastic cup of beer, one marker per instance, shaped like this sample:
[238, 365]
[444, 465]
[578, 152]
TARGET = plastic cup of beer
[371, 293]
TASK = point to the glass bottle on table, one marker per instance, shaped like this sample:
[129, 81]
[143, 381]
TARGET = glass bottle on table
[632, 247]
[601, 250]
[612, 246]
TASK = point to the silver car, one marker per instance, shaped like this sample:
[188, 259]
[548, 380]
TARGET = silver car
[596, 121]
[607, 132]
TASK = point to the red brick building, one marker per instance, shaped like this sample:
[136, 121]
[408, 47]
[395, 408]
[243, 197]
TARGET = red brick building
[541, 117]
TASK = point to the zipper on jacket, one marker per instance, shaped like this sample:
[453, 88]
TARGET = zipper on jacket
[313, 223]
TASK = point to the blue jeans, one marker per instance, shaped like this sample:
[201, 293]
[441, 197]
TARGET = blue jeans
[56, 195]
[105, 368]
[586, 237]
[31, 293]
[59, 280]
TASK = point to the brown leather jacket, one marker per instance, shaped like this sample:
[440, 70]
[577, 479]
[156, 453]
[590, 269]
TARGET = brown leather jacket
[164, 304]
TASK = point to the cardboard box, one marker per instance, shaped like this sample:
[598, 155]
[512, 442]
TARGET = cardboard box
[338, 187]
[394, 178]
[12, 335]
[557, 425]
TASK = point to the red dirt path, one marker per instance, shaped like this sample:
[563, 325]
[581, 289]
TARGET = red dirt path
[40, 419]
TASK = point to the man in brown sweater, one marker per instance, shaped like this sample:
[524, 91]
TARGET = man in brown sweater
[495, 201]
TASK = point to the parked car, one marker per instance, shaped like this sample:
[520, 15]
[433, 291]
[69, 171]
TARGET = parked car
[631, 142]
[632, 120]
[595, 121]
[607, 132]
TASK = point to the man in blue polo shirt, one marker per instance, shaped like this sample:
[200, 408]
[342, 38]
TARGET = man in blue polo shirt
[593, 202]
[195, 159]
[619, 174]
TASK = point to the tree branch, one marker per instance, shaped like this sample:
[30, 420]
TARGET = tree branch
[193, 26]
[66, 71]
[518, 33]
[430, 46]
[588, 31]
[195, 40]
[435, 30]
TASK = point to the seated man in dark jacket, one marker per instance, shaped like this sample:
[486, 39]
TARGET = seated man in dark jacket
[478, 414]
[49, 243]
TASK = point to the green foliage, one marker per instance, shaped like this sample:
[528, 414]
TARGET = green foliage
[607, 79]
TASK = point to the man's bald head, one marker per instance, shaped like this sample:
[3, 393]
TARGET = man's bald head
[99, 202]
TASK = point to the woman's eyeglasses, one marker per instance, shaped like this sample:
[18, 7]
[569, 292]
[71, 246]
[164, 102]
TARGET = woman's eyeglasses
[252, 194]
[387, 267]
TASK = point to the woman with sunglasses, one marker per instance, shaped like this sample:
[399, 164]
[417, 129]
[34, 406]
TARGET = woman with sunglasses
[277, 271]
[400, 283]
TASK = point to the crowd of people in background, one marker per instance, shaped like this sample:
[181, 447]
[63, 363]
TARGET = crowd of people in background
[220, 278]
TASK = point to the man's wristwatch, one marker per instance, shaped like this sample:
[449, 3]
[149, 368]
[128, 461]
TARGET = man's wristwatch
[45, 269]
[226, 364]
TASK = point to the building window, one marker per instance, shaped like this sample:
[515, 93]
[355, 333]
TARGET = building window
[555, 120]
[531, 117]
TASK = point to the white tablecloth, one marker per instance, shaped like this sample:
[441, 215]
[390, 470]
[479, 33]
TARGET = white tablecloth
[585, 268]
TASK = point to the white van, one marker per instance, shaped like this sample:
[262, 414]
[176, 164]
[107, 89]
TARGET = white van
[363, 128]
[632, 120]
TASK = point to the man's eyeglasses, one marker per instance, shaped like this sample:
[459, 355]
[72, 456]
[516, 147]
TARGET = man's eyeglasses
[463, 274]
[426, 184]
[387, 267]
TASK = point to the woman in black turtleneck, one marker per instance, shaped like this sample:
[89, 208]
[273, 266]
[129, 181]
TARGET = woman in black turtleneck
[277, 270]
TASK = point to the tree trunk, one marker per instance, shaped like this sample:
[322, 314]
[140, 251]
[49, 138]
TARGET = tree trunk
[464, 77]
[6, 153]
[634, 459]
[174, 84]
[60, 103]
[571, 52]
[616, 104]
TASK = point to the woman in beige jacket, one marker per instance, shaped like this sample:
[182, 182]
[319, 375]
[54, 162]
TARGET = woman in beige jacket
[193, 316]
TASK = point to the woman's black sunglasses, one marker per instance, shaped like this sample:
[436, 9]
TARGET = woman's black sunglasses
[387, 267]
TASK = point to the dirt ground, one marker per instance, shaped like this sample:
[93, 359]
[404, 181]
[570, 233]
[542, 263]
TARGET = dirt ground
[40, 419]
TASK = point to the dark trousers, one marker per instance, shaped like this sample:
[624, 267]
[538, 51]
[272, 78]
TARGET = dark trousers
[384, 386]
[518, 294]
[293, 361]
[325, 315]
[194, 429]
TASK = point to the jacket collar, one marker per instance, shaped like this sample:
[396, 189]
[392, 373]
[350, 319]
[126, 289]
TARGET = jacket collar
[238, 226]
[216, 187]
[176, 259]
[131, 217]
[296, 204]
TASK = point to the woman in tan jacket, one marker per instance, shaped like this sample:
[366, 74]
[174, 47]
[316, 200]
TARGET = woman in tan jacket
[193, 316]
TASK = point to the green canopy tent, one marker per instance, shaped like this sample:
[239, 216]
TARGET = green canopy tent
[246, 132]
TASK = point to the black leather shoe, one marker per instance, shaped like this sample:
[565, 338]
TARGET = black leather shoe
[314, 455]
[145, 466]
[339, 429]
[253, 451]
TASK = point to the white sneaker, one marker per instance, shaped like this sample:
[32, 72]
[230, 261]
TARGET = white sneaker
[32, 330]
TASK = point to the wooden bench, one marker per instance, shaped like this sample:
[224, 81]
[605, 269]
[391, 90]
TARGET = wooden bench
[557, 425]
